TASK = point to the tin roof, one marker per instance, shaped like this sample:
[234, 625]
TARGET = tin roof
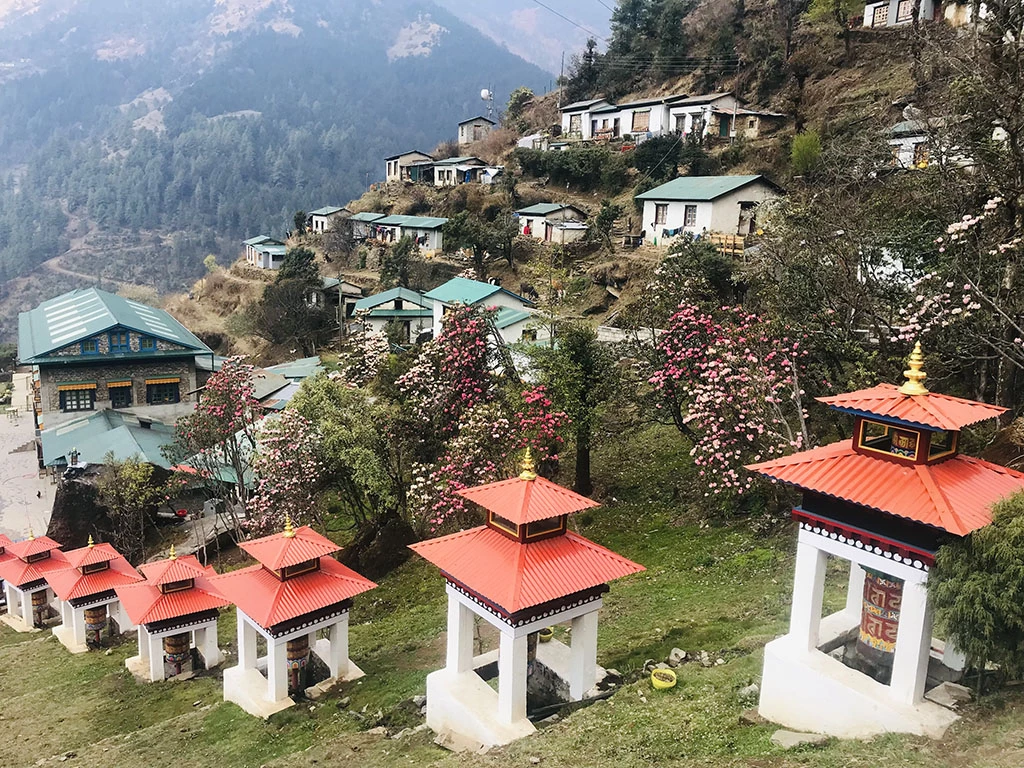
[930, 410]
[676, 101]
[34, 545]
[17, 572]
[145, 603]
[328, 210]
[478, 117]
[527, 501]
[579, 106]
[462, 290]
[269, 601]
[515, 576]
[369, 302]
[86, 312]
[412, 222]
[279, 550]
[543, 209]
[700, 188]
[507, 316]
[174, 569]
[406, 154]
[297, 370]
[366, 216]
[261, 240]
[4, 544]
[71, 583]
[954, 495]
[96, 434]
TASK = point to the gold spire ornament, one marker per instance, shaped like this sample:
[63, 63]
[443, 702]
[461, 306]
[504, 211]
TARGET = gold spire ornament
[91, 542]
[914, 385]
[528, 470]
[31, 534]
[172, 555]
[289, 532]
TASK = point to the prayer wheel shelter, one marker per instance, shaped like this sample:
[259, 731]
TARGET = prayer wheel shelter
[884, 501]
[176, 609]
[4, 557]
[86, 591]
[29, 597]
[521, 572]
[292, 617]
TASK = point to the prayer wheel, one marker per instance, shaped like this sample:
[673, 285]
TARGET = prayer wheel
[96, 619]
[177, 650]
[880, 617]
[297, 652]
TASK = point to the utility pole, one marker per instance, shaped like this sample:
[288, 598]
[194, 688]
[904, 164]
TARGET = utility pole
[561, 75]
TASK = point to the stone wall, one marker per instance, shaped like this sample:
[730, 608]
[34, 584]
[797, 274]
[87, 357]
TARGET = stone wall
[103, 345]
[120, 369]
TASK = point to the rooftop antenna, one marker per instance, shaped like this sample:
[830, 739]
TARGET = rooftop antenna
[488, 97]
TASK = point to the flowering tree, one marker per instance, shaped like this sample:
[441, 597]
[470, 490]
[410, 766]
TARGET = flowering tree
[219, 437]
[365, 355]
[288, 474]
[732, 387]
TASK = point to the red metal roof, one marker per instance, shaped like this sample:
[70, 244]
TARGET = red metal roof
[71, 583]
[269, 601]
[526, 501]
[4, 544]
[280, 550]
[146, 604]
[930, 410]
[97, 553]
[32, 546]
[954, 495]
[516, 576]
[19, 573]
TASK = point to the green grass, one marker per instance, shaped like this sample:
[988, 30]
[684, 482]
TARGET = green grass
[712, 587]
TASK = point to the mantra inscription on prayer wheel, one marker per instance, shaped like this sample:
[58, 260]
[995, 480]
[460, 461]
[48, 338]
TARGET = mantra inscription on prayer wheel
[96, 619]
[177, 650]
[880, 618]
[297, 651]
[38, 607]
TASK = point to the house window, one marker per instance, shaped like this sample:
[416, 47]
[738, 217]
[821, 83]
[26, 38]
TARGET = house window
[77, 399]
[90, 347]
[690, 216]
[642, 121]
[660, 213]
[162, 392]
[399, 304]
[119, 342]
[921, 153]
[575, 123]
[751, 122]
[530, 334]
[904, 11]
[147, 344]
[120, 394]
[881, 16]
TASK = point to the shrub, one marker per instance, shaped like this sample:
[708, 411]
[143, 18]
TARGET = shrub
[805, 154]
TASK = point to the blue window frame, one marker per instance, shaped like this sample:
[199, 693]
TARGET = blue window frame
[147, 344]
[120, 342]
[90, 347]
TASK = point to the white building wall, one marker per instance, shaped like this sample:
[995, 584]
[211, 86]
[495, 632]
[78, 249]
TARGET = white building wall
[675, 218]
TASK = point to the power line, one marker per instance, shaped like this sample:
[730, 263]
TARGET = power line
[602, 2]
[590, 32]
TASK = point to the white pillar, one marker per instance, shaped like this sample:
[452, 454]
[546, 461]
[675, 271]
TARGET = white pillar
[9, 597]
[209, 648]
[855, 592]
[65, 613]
[156, 658]
[246, 643]
[913, 644]
[459, 657]
[808, 590]
[337, 660]
[511, 678]
[26, 609]
[583, 655]
[277, 670]
[143, 641]
[78, 625]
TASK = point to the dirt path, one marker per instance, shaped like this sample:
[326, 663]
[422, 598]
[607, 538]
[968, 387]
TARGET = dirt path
[77, 245]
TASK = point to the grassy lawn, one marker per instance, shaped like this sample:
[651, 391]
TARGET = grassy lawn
[717, 588]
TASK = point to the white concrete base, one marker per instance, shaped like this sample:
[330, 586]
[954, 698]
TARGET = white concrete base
[17, 623]
[66, 635]
[248, 689]
[810, 691]
[466, 705]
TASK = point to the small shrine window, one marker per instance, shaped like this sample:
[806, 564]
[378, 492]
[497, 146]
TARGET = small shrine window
[96, 567]
[886, 438]
[177, 586]
[37, 557]
[291, 571]
[942, 444]
[503, 524]
[542, 527]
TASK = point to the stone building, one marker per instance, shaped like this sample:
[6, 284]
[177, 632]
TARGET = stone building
[91, 350]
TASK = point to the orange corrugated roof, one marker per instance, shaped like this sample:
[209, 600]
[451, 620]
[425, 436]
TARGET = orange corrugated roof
[526, 501]
[146, 604]
[280, 550]
[19, 573]
[954, 495]
[270, 601]
[4, 544]
[71, 583]
[97, 553]
[32, 546]
[930, 410]
[516, 576]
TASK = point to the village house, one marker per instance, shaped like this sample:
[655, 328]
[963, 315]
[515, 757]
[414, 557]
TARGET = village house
[742, 123]
[474, 129]
[90, 437]
[919, 143]
[362, 224]
[252, 246]
[512, 317]
[692, 114]
[322, 219]
[339, 295]
[703, 205]
[891, 13]
[426, 231]
[399, 167]
[457, 170]
[410, 310]
[90, 350]
[576, 120]
[269, 255]
[882, 502]
[552, 222]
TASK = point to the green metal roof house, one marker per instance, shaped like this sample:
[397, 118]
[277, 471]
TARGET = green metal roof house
[95, 435]
[512, 315]
[425, 230]
[91, 350]
[321, 219]
[411, 311]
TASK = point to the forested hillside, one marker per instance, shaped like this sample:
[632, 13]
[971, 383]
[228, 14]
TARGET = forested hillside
[214, 121]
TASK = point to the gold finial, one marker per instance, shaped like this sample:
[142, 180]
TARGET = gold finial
[289, 532]
[91, 542]
[914, 385]
[31, 534]
[172, 555]
[528, 470]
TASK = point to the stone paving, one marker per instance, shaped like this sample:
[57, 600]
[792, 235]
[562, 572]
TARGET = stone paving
[26, 496]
